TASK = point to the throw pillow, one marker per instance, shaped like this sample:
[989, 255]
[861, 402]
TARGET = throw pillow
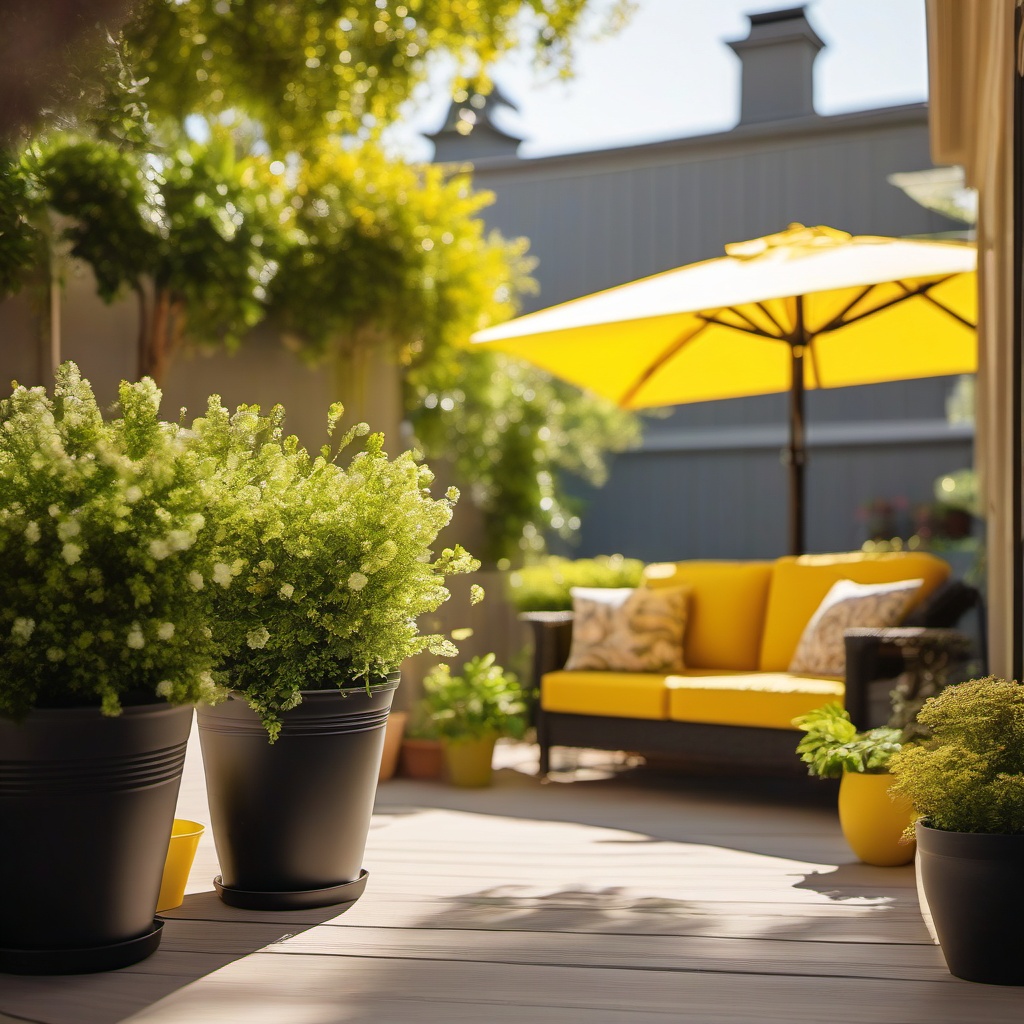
[821, 650]
[619, 629]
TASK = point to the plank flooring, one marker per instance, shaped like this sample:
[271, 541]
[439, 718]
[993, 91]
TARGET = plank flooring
[611, 895]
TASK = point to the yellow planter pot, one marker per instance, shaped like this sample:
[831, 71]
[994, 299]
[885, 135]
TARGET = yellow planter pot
[872, 821]
[181, 852]
[469, 761]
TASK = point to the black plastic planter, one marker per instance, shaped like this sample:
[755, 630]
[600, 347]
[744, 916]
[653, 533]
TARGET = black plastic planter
[290, 819]
[974, 884]
[86, 807]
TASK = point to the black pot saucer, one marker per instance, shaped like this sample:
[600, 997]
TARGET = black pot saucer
[305, 899]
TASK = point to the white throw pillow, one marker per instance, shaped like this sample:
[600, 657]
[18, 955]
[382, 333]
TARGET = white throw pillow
[619, 629]
[821, 650]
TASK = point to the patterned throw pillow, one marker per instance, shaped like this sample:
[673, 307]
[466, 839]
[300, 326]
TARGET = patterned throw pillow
[821, 650]
[625, 630]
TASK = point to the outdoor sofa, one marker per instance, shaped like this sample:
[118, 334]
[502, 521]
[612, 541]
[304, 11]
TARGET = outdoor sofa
[736, 699]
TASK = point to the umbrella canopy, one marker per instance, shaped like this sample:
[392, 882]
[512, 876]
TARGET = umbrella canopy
[805, 308]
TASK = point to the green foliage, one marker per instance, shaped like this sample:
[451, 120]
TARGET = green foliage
[513, 431]
[544, 585]
[21, 242]
[320, 570]
[970, 776]
[347, 249]
[200, 225]
[484, 700]
[389, 254]
[344, 67]
[101, 527]
[420, 725]
[833, 745]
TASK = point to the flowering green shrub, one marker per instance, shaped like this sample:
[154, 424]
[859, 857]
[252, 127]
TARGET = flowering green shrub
[483, 700]
[969, 777]
[101, 530]
[321, 571]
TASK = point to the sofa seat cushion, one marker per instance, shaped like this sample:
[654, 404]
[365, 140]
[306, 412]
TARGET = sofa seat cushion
[618, 694]
[726, 610]
[800, 583]
[769, 700]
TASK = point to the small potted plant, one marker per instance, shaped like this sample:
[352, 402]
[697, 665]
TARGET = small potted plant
[321, 574]
[873, 822]
[470, 712]
[421, 756]
[104, 647]
[966, 784]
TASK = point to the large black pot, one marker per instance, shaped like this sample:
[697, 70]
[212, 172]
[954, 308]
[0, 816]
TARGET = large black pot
[974, 885]
[290, 819]
[86, 808]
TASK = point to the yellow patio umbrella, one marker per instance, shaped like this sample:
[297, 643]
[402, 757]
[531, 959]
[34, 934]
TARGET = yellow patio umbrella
[809, 307]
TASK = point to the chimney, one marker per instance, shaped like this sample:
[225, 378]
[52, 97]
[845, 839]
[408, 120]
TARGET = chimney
[777, 60]
[470, 133]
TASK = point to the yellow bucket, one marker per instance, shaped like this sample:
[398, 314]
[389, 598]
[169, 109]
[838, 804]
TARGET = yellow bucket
[181, 852]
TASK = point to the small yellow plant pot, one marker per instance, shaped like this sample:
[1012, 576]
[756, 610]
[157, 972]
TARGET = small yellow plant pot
[873, 821]
[469, 761]
[181, 852]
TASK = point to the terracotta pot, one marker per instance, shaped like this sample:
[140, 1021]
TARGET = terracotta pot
[872, 821]
[393, 732]
[421, 759]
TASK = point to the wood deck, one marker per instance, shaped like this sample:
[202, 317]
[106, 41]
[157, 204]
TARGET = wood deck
[616, 898]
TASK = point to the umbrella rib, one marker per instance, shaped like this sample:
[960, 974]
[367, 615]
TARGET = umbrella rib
[752, 329]
[839, 319]
[952, 312]
[678, 343]
[909, 293]
[768, 313]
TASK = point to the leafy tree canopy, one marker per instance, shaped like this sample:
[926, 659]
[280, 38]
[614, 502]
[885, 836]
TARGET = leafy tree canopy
[305, 68]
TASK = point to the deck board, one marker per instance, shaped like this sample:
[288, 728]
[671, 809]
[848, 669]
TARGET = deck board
[621, 897]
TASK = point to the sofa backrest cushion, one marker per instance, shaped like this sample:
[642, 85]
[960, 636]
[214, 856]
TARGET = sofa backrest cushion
[726, 611]
[800, 583]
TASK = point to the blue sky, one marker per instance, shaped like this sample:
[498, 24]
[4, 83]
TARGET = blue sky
[670, 74]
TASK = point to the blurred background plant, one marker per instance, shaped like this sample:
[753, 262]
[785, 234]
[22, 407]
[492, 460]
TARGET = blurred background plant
[483, 700]
[545, 585]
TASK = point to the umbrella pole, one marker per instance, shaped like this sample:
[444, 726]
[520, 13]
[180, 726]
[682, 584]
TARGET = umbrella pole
[796, 453]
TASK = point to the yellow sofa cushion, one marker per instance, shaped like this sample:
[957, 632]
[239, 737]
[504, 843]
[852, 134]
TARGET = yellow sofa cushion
[768, 700]
[800, 583]
[726, 610]
[619, 694]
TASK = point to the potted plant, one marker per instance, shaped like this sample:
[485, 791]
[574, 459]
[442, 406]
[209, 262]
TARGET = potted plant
[322, 572]
[421, 756]
[966, 784]
[873, 822]
[470, 711]
[104, 646]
